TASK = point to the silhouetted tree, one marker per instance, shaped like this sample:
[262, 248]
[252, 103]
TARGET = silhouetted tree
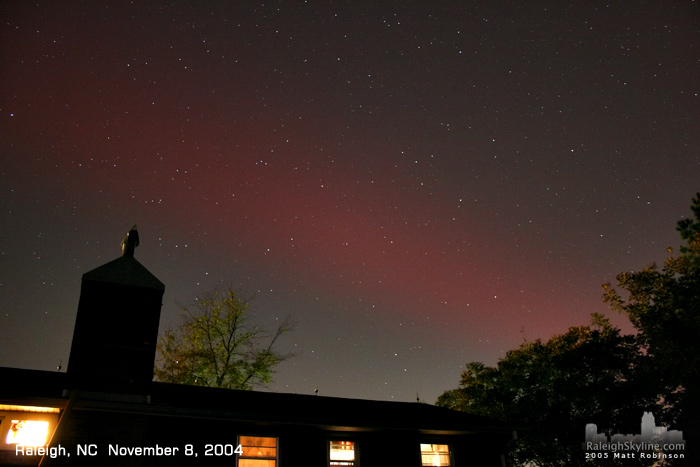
[554, 389]
[215, 346]
[664, 306]
[594, 374]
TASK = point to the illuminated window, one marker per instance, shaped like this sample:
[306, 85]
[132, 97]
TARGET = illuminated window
[29, 408]
[435, 454]
[27, 432]
[26, 425]
[257, 451]
[342, 453]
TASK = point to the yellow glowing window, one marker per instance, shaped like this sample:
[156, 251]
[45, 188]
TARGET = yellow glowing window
[342, 453]
[435, 454]
[27, 432]
[257, 451]
[29, 408]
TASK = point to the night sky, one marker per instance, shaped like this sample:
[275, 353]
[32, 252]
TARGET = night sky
[417, 184]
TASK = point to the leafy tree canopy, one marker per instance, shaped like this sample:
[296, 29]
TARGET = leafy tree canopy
[593, 374]
[663, 304]
[216, 346]
[553, 389]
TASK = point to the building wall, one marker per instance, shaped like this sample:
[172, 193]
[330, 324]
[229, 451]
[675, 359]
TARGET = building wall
[298, 445]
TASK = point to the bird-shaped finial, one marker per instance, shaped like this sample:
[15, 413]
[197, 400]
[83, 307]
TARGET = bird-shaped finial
[130, 242]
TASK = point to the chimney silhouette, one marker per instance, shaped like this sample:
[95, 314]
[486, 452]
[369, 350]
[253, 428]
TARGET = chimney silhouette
[116, 329]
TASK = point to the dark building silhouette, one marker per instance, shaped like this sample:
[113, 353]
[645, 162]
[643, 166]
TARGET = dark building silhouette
[116, 329]
[106, 410]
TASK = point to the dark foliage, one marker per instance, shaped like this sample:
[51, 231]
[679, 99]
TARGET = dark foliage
[593, 374]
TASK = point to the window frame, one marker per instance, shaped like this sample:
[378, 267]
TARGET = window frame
[277, 448]
[8, 413]
[355, 450]
[450, 456]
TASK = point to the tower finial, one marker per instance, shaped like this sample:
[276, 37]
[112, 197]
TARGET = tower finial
[130, 242]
